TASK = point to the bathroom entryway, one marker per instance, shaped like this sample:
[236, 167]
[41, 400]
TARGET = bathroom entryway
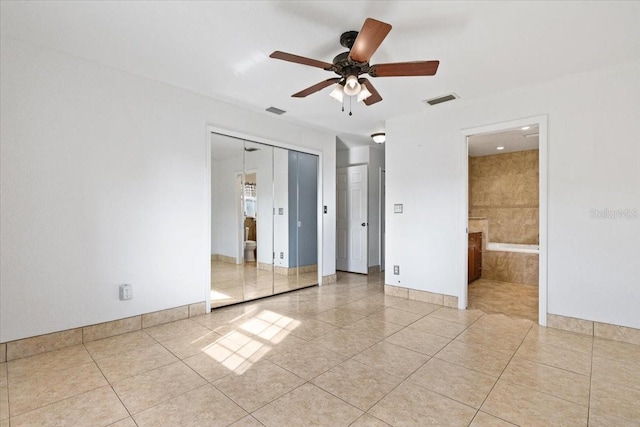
[503, 267]
[511, 299]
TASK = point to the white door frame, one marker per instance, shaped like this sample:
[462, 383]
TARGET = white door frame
[382, 179]
[350, 264]
[541, 121]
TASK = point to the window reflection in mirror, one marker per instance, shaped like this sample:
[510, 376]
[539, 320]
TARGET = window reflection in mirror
[258, 220]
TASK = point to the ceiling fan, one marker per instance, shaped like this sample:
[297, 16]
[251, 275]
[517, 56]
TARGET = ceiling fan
[352, 64]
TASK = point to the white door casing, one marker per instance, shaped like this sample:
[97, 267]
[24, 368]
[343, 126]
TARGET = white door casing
[352, 228]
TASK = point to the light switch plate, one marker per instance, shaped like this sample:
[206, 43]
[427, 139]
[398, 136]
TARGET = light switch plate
[397, 208]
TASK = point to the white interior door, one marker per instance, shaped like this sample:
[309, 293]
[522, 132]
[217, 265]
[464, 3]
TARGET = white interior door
[352, 220]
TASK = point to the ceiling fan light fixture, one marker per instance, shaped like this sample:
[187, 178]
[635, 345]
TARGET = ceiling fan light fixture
[379, 137]
[352, 86]
[364, 92]
[337, 93]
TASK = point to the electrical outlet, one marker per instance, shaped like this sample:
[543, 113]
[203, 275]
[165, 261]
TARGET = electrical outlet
[396, 270]
[126, 292]
[281, 255]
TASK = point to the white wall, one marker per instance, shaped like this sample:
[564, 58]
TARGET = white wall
[104, 181]
[261, 163]
[594, 163]
[225, 204]
[352, 156]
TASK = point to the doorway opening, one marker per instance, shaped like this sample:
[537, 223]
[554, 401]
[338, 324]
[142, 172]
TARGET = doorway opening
[506, 219]
[352, 220]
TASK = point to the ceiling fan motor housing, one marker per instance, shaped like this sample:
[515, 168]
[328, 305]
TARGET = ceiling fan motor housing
[344, 67]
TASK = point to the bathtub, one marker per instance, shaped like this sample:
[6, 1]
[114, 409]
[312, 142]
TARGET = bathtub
[513, 247]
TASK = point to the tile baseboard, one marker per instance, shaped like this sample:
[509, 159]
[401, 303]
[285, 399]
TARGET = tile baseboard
[331, 278]
[597, 329]
[570, 324]
[56, 340]
[424, 296]
[224, 258]
[292, 271]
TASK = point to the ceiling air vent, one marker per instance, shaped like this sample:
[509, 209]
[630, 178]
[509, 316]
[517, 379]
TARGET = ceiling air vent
[441, 99]
[275, 110]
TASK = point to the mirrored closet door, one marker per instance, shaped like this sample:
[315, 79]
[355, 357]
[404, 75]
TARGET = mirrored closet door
[264, 220]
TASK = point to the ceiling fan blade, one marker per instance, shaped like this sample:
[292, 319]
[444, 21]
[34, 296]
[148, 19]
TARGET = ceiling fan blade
[369, 39]
[375, 96]
[416, 68]
[301, 60]
[316, 87]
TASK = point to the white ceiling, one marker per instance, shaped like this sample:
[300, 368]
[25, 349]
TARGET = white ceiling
[221, 48]
[518, 139]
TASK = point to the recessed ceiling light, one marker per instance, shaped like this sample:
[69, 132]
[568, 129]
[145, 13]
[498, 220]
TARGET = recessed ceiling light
[500, 148]
[526, 128]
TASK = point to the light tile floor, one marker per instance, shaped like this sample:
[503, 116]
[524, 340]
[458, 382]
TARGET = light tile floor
[512, 299]
[339, 355]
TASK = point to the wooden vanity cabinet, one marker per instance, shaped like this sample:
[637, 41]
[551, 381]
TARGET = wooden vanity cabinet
[475, 256]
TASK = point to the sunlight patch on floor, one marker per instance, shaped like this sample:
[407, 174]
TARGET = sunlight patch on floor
[238, 350]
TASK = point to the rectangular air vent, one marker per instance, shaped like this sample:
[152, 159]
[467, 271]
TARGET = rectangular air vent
[441, 99]
[275, 110]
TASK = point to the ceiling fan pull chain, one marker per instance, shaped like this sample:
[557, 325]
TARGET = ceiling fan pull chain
[350, 113]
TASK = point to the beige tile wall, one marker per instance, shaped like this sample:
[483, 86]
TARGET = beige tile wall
[514, 267]
[504, 189]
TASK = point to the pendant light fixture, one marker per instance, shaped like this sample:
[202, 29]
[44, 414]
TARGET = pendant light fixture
[350, 87]
[379, 137]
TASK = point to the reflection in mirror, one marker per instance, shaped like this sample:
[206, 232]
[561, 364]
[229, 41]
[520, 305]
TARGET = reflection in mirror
[227, 252]
[295, 220]
[258, 220]
[264, 220]
[306, 244]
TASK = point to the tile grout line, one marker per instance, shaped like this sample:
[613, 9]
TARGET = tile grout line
[109, 383]
[499, 376]
[414, 371]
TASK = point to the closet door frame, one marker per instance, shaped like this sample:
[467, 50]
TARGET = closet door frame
[279, 144]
